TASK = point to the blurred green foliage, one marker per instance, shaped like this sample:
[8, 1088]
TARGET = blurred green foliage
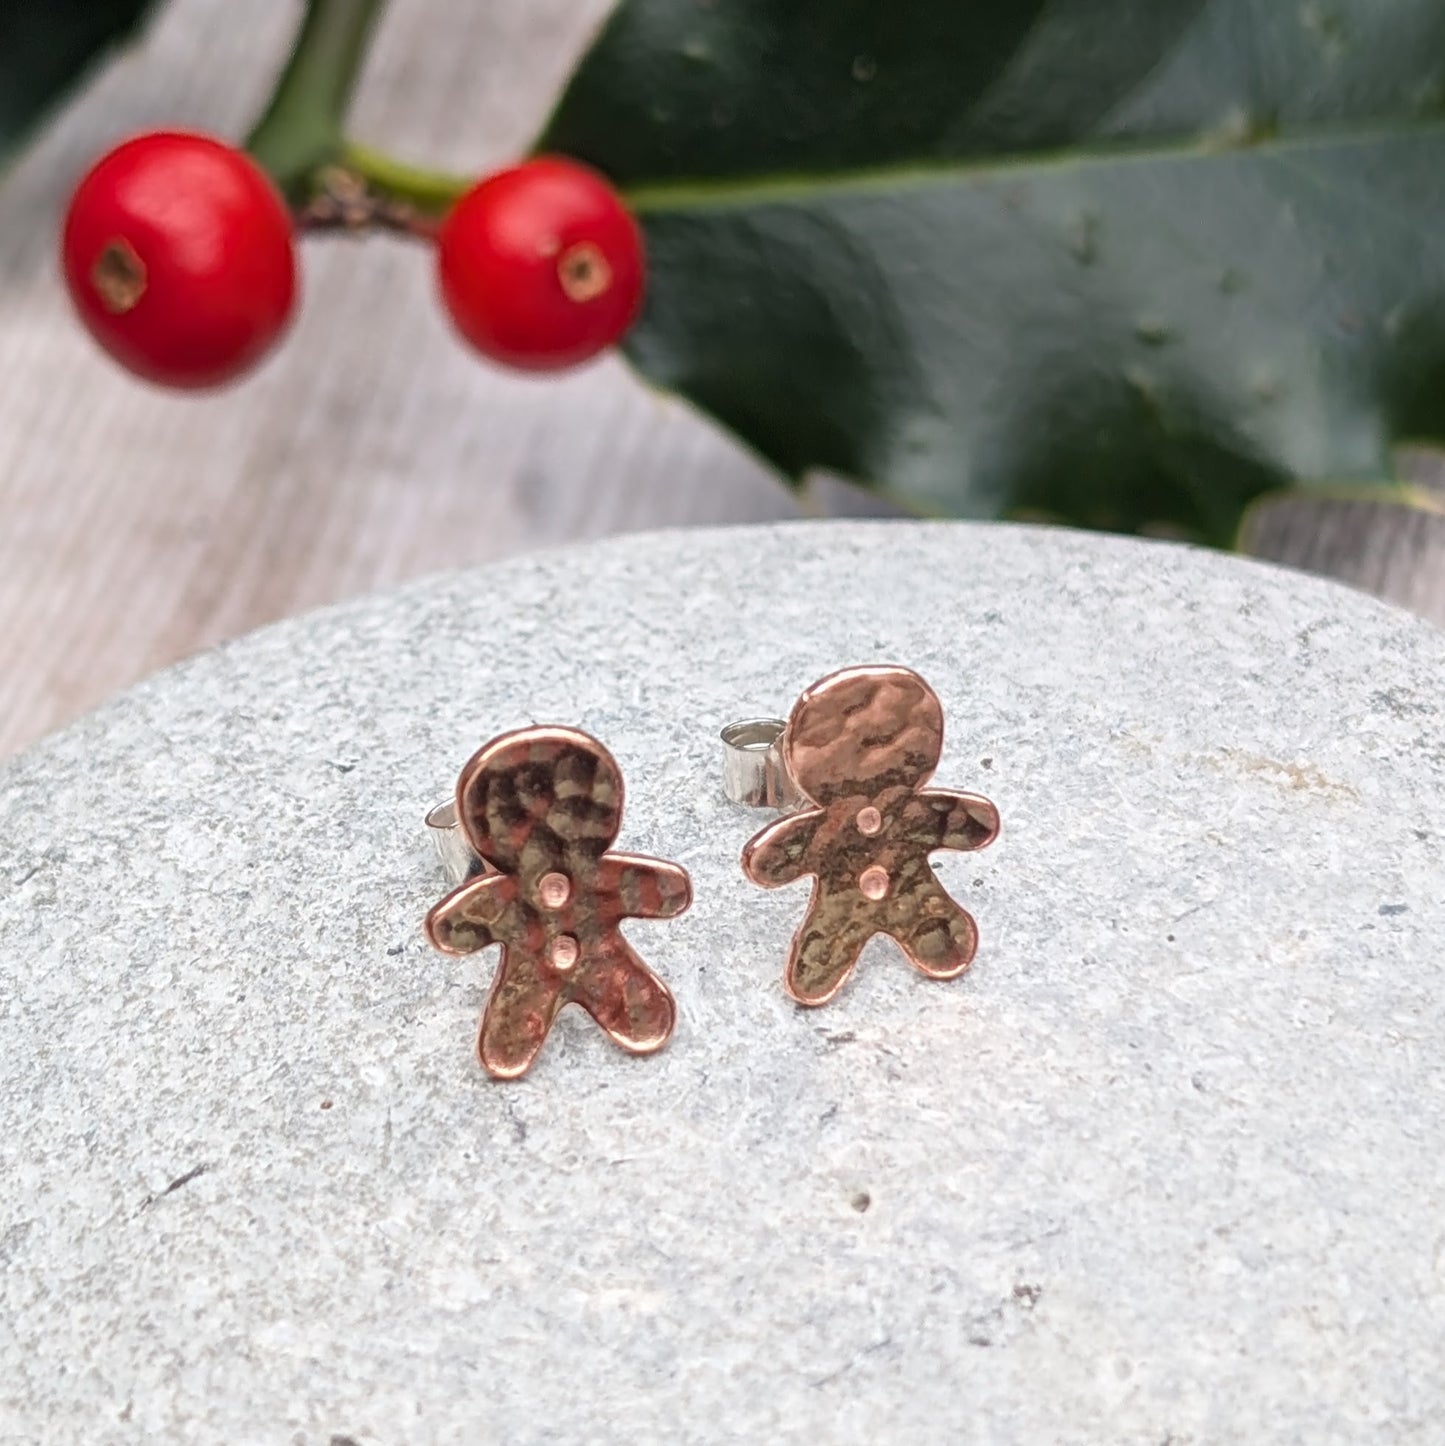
[1123, 263]
[46, 46]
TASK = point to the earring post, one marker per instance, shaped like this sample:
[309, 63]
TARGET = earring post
[459, 863]
[755, 773]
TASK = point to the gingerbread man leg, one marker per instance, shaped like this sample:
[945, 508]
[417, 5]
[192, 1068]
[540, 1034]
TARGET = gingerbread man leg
[524, 1000]
[633, 1007]
[826, 948]
[940, 936]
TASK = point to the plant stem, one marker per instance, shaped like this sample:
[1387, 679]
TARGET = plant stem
[302, 128]
[431, 192]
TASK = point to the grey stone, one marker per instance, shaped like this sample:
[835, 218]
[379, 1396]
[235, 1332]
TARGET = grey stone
[1167, 1164]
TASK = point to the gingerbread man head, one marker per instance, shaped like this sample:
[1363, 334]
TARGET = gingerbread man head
[864, 733]
[537, 802]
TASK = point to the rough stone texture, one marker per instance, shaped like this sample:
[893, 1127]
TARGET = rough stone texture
[1166, 1165]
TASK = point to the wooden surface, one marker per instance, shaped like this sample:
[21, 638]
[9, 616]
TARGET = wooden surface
[1394, 550]
[137, 527]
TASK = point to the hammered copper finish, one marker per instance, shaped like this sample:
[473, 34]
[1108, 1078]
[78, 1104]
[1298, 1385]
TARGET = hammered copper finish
[861, 745]
[542, 806]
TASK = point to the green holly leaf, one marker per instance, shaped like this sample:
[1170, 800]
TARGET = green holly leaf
[1127, 263]
[46, 46]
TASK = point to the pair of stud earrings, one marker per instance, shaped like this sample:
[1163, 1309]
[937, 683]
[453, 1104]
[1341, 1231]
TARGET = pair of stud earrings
[529, 838]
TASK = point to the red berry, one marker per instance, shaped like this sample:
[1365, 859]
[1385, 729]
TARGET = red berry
[179, 256]
[541, 265]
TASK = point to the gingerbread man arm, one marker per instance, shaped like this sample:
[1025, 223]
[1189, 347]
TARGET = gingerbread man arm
[949, 820]
[466, 920]
[647, 888]
[783, 851]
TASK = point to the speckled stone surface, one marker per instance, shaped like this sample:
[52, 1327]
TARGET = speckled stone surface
[1168, 1164]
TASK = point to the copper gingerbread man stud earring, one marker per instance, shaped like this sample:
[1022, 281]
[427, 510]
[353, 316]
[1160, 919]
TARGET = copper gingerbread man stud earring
[531, 831]
[853, 762]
